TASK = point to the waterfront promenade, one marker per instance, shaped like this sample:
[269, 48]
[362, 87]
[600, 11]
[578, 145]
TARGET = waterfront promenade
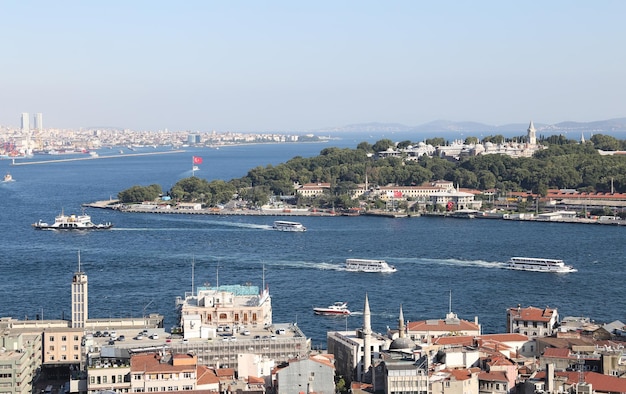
[169, 210]
[89, 157]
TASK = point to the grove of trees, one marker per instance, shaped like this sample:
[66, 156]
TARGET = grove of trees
[565, 164]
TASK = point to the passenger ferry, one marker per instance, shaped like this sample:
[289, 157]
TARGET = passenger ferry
[539, 265]
[364, 265]
[282, 225]
[336, 309]
[72, 222]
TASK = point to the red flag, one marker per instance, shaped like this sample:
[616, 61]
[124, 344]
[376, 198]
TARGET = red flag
[197, 160]
[397, 194]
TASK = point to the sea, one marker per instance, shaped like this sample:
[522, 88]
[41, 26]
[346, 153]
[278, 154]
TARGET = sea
[147, 260]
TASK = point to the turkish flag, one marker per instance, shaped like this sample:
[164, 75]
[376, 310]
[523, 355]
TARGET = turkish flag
[397, 194]
[197, 160]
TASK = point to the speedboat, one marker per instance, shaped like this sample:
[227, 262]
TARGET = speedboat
[8, 178]
[336, 309]
[72, 222]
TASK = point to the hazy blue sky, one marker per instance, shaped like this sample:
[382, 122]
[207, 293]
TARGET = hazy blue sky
[298, 65]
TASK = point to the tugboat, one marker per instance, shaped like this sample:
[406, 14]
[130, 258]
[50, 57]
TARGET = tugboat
[72, 222]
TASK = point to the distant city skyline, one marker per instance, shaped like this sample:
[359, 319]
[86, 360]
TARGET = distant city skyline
[296, 67]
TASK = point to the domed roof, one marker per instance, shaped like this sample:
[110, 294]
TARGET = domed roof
[402, 343]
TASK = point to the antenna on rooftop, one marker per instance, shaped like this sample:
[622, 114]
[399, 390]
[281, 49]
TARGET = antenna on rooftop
[450, 302]
[217, 275]
[193, 263]
[79, 260]
[263, 277]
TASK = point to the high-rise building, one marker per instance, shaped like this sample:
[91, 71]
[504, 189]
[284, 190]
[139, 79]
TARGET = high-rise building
[25, 122]
[38, 119]
[79, 298]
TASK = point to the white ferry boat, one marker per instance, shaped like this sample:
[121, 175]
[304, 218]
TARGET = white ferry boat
[336, 309]
[72, 222]
[364, 265]
[539, 265]
[283, 225]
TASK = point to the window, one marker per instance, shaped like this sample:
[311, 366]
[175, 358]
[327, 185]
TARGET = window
[76, 337]
[51, 348]
[63, 348]
[76, 347]
[104, 379]
[92, 379]
[64, 338]
[51, 339]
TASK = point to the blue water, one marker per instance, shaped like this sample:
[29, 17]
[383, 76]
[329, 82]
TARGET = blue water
[146, 259]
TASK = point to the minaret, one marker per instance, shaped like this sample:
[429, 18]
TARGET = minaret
[367, 336]
[532, 134]
[401, 328]
[79, 298]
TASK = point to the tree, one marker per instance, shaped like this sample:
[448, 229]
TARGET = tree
[383, 145]
[471, 140]
[365, 146]
[438, 141]
[140, 193]
[605, 142]
[404, 144]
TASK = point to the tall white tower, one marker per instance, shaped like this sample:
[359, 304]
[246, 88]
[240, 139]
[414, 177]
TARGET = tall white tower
[367, 338]
[25, 125]
[79, 298]
[532, 134]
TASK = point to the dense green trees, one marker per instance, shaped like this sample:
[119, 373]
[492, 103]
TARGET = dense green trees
[139, 194]
[564, 164]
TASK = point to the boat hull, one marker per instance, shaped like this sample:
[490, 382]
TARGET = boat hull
[327, 312]
[532, 264]
[37, 226]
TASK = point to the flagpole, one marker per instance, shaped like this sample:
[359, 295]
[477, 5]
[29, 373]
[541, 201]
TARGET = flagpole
[193, 165]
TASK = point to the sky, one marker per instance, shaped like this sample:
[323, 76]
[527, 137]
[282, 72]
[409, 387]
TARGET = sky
[297, 66]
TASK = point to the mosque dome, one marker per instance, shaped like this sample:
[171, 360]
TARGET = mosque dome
[402, 343]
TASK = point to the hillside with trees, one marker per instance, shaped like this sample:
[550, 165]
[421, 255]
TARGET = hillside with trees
[565, 164]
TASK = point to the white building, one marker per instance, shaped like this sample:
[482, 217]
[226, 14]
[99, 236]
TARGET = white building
[226, 305]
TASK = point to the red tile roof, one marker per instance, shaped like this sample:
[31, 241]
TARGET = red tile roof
[600, 382]
[494, 376]
[532, 314]
[441, 325]
[556, 352]
[225, 373]
[151, 363]
[206, 375]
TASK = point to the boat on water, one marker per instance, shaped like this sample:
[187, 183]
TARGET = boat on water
[539, 265]
[8, 178]
[336, 309]
[283, 225]
[72, 222]
[365, 265]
